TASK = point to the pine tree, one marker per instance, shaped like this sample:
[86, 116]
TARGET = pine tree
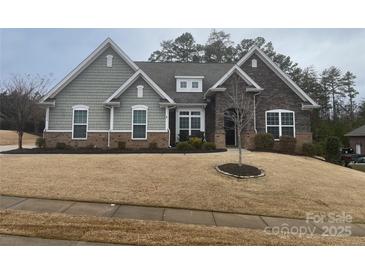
[348, 82]
[331, 82]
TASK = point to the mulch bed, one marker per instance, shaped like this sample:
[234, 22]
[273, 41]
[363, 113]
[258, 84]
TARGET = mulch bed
[105, 151]
[244, 171]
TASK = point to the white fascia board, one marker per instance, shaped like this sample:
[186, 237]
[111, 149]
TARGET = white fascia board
[84, 64]
[189, 77]
[241, 73]
[48, 104]
[282, 75]
[131, 80]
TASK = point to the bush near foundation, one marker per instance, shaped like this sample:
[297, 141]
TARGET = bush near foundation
[264, 141]
[209, 146]
[182, 146]
[61, 146]
[308, 149]
[287, 144]
[196, 142]
[40, 142]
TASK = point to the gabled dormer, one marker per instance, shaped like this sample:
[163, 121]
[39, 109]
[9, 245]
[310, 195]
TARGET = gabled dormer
[189, 83]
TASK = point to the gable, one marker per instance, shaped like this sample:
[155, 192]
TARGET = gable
[138, 74]
[96, 62]
[264, 65]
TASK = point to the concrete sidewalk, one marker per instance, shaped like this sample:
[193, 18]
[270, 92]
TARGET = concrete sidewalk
[12, 240]
[175, 215]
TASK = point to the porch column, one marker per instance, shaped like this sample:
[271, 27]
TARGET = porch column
[219, 133]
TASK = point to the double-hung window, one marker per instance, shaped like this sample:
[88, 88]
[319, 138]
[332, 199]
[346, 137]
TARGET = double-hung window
[139, 122]
[280, 123]
[189, 123]
[80, 122]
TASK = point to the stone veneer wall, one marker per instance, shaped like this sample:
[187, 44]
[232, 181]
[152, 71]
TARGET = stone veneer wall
[100, 140]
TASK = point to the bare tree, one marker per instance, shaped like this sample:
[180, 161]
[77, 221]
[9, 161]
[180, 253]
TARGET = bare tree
[24, 93]
[240, 104]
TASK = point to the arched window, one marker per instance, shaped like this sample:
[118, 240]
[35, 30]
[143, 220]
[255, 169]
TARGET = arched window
[80, 117]
[139, 122]
[254, 63]
[280, 122]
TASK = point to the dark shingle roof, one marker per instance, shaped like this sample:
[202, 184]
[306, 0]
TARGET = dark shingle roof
[163, 74]
[360, 131]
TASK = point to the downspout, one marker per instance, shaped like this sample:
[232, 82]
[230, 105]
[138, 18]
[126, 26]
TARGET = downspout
[254, 112]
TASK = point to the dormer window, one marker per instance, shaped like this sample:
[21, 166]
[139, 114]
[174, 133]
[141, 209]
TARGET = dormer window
[183, 84]
[189, 83]
[254, 63]
[109, 61]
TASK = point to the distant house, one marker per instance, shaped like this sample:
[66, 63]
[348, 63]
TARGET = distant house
[357, 139]
[110, 99]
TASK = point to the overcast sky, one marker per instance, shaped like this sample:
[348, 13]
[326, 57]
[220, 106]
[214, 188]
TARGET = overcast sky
[58, 51]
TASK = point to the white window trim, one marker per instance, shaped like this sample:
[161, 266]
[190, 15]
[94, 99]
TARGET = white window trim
[202, 120]
[80, 107]
[139, 107]
[189, 84]
[280, 111]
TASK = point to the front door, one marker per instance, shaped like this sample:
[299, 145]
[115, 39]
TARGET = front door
[230, 132]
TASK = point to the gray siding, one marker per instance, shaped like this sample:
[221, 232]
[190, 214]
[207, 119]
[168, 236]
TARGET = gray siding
[92, 87]
[123, 114]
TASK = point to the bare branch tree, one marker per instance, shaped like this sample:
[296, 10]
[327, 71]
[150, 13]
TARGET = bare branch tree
[240, 106]
[24, 93]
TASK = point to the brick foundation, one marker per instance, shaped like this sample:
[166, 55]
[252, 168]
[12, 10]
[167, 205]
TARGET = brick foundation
[160, 138]
[100, 140]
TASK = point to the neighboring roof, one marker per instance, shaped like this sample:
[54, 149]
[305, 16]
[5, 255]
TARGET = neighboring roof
[73, 74]
[164, 75]
[241, 73]
[278, 72]
[132, 79]
[358, 132]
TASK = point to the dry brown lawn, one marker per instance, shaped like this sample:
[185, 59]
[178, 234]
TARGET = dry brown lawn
[10, 137]
[292, 186]
[133, 232]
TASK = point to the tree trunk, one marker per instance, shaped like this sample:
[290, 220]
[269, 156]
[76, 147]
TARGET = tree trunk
[20, 139]
[239, 150]
[334, 106]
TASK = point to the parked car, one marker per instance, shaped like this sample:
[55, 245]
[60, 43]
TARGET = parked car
[348, 155]
[358, 164]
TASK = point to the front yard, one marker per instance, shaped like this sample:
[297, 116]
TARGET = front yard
[292, 186]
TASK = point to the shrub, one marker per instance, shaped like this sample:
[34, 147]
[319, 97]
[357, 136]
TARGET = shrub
[61, 146]
[287, 144]
[319, 149]
[121, 145]
[209, 146]
[152, 145]
[264, 141]
[183, 137]
[184, 146]
[332, 149]
[308, 149]
[40, 142]
[196, 142]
